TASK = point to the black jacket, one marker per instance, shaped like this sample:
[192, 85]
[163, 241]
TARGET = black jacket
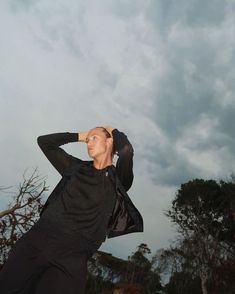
[125, 217]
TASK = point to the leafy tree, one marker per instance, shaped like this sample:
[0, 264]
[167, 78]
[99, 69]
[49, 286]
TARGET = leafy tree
[140, 270]
[108, 272]
[226, 284]
[183, 282]
[104, 271]
[204, 214]
[206, 205]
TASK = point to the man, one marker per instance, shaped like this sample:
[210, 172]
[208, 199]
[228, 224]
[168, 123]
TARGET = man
[88, 204]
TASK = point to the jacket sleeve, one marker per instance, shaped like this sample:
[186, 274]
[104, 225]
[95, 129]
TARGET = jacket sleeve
[49, 145]
[125, 152]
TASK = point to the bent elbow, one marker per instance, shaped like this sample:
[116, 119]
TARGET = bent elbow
[41, 140]
[127, 151]
[128, 185]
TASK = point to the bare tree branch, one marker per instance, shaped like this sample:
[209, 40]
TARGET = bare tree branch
[22, 212]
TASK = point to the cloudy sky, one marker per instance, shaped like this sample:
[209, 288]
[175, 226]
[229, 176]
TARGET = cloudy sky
[162, 71]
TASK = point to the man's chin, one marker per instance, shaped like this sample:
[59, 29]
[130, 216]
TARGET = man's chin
[91, 155]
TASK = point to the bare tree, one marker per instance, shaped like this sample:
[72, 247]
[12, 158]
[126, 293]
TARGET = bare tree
[22, 211]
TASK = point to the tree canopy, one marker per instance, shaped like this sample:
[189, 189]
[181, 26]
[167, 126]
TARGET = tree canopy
[203, 212]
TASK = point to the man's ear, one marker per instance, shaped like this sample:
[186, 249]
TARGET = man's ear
[110, 142]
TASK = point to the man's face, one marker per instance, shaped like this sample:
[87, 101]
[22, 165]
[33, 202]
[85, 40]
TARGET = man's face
[97, 143]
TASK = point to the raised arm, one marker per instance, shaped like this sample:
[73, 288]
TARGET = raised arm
[60, 159]
[125, 152]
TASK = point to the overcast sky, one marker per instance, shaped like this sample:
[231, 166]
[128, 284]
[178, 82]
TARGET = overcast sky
[162, 71]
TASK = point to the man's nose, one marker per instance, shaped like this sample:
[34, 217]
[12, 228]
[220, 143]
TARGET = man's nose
[89, 143]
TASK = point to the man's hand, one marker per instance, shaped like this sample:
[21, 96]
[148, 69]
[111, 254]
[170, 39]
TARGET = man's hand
[83, 136]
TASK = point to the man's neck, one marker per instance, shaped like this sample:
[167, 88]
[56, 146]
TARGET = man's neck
[102, 163]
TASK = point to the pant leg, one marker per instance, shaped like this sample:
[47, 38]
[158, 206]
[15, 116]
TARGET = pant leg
[65, 276]
[23, 267]
[68, 266]
[46, 262]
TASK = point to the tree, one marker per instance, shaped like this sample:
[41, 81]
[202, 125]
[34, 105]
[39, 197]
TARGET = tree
[22, 211]
[183, 282]
[107, 272]
[104, 271]
[142, 272]
[203, 212]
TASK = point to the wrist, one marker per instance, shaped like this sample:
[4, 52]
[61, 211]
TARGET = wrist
[82, 137]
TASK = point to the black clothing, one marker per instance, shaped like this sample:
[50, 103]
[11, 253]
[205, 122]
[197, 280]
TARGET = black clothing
[125, 217]
[86, 206]
[40, 264]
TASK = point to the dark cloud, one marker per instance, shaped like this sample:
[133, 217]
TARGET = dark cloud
[226, 127]
[21, 6]
[206, 13]
[169, 168]
[194, 86]
[195, 13]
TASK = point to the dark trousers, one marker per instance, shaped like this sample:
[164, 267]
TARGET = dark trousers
[44, 263]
